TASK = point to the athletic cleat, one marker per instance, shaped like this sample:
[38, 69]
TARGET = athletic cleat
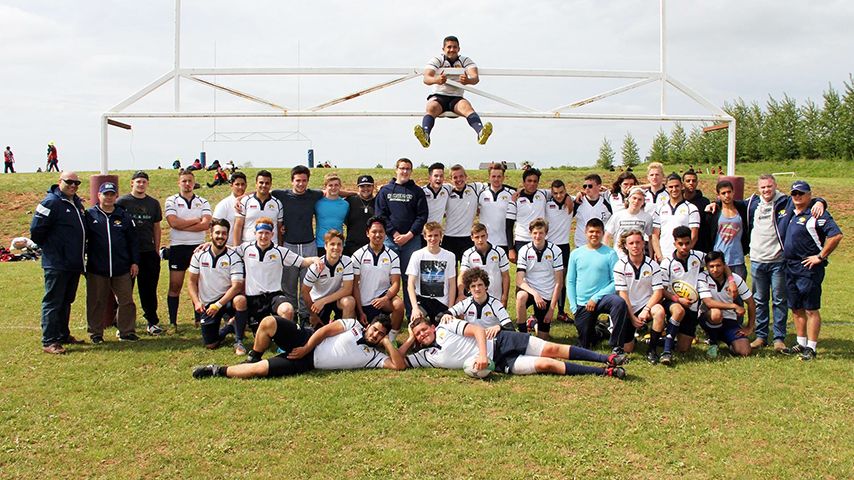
[712, 352]
[531, 323]
[422, 136]
[97, 340]
[130, 337]
[239, 349]
[154, 330]
[617, 358]
[602, 330]
[253, 357]
[795, 349]
[809, 354]
[652, 357]
[562, 317]
[666, 358]
[484, 134]
[118, 334]
[205, 371]
[616, 372]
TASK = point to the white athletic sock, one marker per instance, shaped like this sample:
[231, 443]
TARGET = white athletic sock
[802, 341]
[812, 344]
[392, 335]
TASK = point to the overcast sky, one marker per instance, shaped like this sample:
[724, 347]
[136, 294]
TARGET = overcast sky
[65, 63]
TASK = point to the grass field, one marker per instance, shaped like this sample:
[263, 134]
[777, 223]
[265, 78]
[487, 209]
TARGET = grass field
[133, 411]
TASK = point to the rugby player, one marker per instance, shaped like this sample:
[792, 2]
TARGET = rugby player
[376, 279]
[529, 205]
[431, 286]
[559, 211]
[590, 205]
[539, 279]
[481, 308]
[260, 204]
[497, 210]
[491, 259]
[330, 290]
[656, 193]
[225, 208]
[720, 316]
[460, 212]
[671, 214]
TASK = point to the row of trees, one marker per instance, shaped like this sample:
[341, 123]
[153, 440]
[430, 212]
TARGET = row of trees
[781, 130]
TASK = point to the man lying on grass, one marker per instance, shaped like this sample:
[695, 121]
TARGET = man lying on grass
[453, 342]
[342, 345]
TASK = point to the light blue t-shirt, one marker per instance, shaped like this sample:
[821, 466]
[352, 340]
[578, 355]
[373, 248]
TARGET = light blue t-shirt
[590, 275]
[728, 239]
[330, 214]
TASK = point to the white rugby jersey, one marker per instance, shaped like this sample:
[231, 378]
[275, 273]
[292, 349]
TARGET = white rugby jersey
[494, 262]
[654, 199]
[623, 221]
[440, 62]
[263, 268]
[437, 201]
[451, 348]
[195, 207]
[495, 210]
[529, 208]
[709, 288]
[540, 267]
[255, 208]
[347, 350]
[617, 202]
[434, 273]
[374, 271]
[638, 282]
[560, 221]
[585, 210]
[461, 210]
[330, 280]
[688, 271]
[216, 272]
[488, 314]
[667, 217]
[225, 210]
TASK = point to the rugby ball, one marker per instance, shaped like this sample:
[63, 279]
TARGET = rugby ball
[468, 367]
[684, 290]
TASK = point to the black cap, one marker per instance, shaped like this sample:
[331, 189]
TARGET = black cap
[365, 180]
[139, 174]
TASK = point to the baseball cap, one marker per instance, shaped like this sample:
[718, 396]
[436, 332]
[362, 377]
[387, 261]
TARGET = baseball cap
[108, 187]
[139, 174]
[365, 180]
[801, 186]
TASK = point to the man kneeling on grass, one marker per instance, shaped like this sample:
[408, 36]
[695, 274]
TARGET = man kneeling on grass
[720, 320]
[341, 345]
[452, 343]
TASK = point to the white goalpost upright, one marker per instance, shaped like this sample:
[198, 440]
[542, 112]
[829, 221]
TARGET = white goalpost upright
[209, 77]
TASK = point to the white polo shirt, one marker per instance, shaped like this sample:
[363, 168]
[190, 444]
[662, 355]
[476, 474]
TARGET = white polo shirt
[264, 267]
[495, 211]
[529, 208]
[540, 267]
[451, 348]
[709, 288]
[623, 221]
[688, 271]
[433, 273]
[667, 217]
[494, 262]
[347, 350]
[216, 272]
[638, 282]
[490, 314]
[253, 209]
[225, 210]
[195, 207]
[654, 199]
[436, 202]
[617, 202]
[461, 210]
[560, 221]
[374, 271]
[330, 280]
[586, 210]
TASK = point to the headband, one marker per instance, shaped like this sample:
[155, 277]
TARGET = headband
[263, 226]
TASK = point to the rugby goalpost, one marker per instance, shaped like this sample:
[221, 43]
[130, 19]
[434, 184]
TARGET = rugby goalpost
[209, 78]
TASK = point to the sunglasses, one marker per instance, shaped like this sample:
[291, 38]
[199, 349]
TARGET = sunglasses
[72, 182]
[587, 185]
[796, 193]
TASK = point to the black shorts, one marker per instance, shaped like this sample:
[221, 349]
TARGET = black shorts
[539, 314]
[180, 256]
[518, 244]
[260, 306]
[689, 323]
[289, 335]
[447, 102]
[210, 325]
[431, 308]
[325, 315]
[457, 246]
[508, 346]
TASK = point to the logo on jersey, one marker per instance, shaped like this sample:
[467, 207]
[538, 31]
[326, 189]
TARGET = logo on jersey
[224, 264]
[339, 269]
[367, 260]
[781, 213]
[117, 223]
[487, 314]
[273, 256]
[206, 264]
[548, 257]
[470, 312]
[493, 258]
[253, 206]
[356, 333]
[385, 260]
[802, 220]
[251, 255]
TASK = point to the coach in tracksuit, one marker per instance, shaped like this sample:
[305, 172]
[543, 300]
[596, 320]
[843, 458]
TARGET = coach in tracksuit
[57, 227]
[113, 259]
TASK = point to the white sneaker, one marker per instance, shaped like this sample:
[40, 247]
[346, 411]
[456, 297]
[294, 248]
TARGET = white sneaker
[154, 330]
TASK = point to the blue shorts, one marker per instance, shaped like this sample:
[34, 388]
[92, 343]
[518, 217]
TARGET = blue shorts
[803, 285]
[689, 323]
[448, 102]
[210, 325]
[509, 345]
[728, 331]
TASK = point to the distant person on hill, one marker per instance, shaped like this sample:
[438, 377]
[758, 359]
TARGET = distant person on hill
[449, 98]
[52, 158]
[176, 164]
[220, 178]
[9, 160]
